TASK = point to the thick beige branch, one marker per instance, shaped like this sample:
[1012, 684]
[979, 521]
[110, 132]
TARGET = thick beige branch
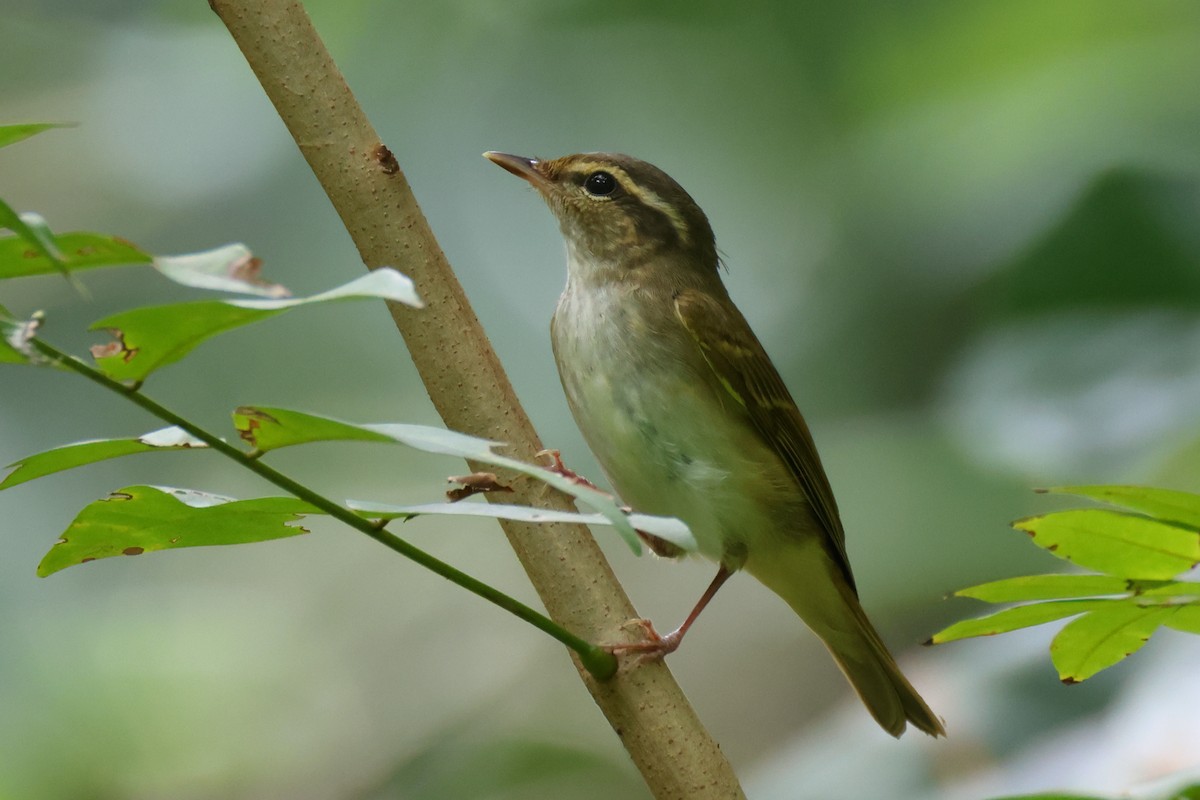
[469, 388]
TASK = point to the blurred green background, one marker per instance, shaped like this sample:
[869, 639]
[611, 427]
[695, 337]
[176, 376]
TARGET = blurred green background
[968, 233]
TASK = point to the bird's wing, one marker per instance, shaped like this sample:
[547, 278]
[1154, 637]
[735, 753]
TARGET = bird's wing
[744, 370]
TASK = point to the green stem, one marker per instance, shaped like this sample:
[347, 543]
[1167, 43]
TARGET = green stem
[598, 661]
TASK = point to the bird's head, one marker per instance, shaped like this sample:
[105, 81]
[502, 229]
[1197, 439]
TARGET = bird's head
[617, 211]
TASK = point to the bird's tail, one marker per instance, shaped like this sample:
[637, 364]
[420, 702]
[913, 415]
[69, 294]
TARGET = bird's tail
[815, 588]
[880, 684]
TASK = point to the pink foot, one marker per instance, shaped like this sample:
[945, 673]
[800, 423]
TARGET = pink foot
[653, 647]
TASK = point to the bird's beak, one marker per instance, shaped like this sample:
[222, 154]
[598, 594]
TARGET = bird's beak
[520, 166]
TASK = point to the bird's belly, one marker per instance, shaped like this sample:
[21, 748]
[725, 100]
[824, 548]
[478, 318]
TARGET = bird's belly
[670, 445]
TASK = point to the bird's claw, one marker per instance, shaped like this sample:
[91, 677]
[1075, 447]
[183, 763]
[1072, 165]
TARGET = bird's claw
[652, 647]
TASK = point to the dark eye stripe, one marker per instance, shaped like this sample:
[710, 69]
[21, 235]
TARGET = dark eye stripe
[627, 188]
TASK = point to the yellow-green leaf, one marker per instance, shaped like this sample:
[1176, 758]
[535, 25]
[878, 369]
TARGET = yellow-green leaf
[1120, 544]
[1045, 587]
[1186, 618]
[1161, 590]
[1011, 619]
[1164, 504]
[1103, 637]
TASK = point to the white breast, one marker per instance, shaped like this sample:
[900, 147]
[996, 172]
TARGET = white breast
[641, 396]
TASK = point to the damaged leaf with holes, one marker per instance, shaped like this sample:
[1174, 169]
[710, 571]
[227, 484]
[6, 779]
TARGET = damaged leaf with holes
[142, 519]
[147, 339]
[265, 429]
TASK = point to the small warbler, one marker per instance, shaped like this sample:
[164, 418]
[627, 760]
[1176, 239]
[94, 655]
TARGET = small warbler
[687, 415]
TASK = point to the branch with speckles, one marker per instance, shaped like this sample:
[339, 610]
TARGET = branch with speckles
[468, 386]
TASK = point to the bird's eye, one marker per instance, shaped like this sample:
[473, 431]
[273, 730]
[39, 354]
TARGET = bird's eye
[600, 184]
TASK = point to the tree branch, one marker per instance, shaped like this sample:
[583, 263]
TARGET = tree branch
[468, 386]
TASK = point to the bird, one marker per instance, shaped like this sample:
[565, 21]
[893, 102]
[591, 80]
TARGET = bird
[688, 417]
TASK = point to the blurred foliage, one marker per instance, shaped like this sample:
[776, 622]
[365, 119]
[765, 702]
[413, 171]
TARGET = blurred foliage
[966, 232]
[1129, 242]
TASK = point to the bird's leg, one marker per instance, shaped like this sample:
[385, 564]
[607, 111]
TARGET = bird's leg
[658, 646]
[660, 547]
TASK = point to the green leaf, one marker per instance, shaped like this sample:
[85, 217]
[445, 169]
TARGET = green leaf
[11, 134]
[13, 341]
[139, 519]
[10, 355]
[33, 229]
[1186, 618]
[1123, 545]
[1160, 590]
[1103, 637]
[151, 338]
[1011, 619]
[81, 453]
[269, 427]
[669, 528]
[266, 429]
[1052, 796]
[1045, 587]
[15, 336]
[80, 251]
[232, 268]
[1164, 504]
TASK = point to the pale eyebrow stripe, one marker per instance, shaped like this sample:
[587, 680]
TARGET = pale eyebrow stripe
[646, 196]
